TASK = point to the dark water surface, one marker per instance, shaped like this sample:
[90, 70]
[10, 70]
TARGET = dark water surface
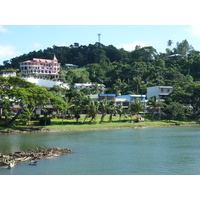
[150, 151]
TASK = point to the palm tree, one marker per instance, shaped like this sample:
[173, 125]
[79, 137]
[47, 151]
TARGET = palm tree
[112, 109]
[120, 111]
[169, 43]
[137, 82]
[103, 107]
[154, 105]
[136, 107]
[77, 102]
[92, 110]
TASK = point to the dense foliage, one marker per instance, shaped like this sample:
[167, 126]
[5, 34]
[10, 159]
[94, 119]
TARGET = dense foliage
[26, 97]
[122, 71]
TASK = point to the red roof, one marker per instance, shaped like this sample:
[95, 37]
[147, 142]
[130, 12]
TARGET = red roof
[40, 60]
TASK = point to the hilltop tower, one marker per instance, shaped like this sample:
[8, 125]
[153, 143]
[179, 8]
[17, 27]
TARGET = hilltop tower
[99, 38]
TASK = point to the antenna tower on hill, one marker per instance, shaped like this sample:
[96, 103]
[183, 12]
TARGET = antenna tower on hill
[99, 37]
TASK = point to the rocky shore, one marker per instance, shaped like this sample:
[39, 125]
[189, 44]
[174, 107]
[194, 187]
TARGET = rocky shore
[24, 130]
[12, 159]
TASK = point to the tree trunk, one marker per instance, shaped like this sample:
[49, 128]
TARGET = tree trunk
[111, 115]
[9, 123]
[102, 117]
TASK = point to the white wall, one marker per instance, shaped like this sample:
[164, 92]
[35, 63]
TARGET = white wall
[151, 91]
[46, 83]
[158, 90]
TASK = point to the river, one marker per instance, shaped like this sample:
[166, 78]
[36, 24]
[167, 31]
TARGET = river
[148, 151]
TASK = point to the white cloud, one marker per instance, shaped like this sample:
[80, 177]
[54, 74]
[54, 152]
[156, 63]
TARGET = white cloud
[3, 29]
[8, 51]
[131, 46]
[194, 30]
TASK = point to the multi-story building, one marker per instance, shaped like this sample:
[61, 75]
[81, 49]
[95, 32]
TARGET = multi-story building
[161, 92]
[40, 66]
[126, 100]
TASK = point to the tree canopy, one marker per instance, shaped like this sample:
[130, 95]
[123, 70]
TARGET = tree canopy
[121, 71]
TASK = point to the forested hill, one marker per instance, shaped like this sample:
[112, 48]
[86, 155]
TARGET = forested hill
[122, 71]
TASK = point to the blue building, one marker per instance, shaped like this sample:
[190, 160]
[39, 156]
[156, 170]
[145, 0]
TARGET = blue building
[107, 96]
[126, 100]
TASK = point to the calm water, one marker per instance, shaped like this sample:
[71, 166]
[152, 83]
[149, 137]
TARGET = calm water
[148, 151]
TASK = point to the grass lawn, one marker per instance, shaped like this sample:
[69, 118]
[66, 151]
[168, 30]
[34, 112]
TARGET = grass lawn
[56, 124]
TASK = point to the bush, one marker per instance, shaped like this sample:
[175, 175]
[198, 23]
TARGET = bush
[42, 121]
[35, 117]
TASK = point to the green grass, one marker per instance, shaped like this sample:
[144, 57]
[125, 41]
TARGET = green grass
[56, 124]
[123, 123]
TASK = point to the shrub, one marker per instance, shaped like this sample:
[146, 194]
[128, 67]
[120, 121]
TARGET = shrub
[43, 121]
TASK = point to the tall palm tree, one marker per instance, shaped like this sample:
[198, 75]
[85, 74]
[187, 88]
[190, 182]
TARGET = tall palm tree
[112, 109]
[92, 110]
[120, 111]
[137, 82]
[103, 107]
[169, 43]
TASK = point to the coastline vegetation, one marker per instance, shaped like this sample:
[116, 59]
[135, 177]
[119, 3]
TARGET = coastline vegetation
[121, 72]
[72, 125]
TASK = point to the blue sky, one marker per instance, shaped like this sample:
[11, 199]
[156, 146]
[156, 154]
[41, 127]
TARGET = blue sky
[36, 25]
[19, 39]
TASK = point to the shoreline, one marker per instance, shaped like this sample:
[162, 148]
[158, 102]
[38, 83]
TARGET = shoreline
[134, 126]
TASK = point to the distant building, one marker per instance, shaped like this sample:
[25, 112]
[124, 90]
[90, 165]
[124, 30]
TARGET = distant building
[7, 73]
[71, 66]
[108, 97]
[126, 100]
[46, 83]
[80, 86]
[37, 70]
[176, 56]
[40, 66]
[161, 92]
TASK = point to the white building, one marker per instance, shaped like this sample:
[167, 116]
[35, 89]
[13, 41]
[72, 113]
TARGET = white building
[40, 66]
[7, 74]
[46, 83]
[80, 86]
[161, 92]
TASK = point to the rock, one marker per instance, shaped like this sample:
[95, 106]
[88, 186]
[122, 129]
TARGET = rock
[12, 159]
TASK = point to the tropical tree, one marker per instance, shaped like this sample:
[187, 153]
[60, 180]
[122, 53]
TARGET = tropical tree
[112, 109]
[28, 96]
[154, 105]
[189, 94]
[136, 107]
[61, 105]
[77, 101]
[103, 108]
[92, 110]
[177, 110]
[169, 43]
[120, 111]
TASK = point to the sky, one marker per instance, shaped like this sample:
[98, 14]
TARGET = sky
[26, 27]
[16, 40]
